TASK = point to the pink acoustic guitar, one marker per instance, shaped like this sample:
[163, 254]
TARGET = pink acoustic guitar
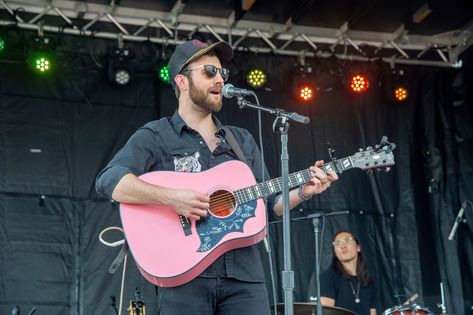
[170, 250]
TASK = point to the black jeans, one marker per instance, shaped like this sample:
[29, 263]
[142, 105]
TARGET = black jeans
[215, 296]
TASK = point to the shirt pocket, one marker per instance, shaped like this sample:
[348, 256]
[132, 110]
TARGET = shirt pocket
[186, 160]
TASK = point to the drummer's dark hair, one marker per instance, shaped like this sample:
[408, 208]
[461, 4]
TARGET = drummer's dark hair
[361, 267]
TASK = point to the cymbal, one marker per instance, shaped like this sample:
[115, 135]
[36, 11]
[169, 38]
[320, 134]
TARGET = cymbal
[310, 308]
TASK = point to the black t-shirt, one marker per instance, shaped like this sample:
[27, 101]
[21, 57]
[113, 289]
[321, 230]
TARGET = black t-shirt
[335, 286]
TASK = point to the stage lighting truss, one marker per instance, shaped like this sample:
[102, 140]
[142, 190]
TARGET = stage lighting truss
[256, 78]
[136, 24]
[120, 70]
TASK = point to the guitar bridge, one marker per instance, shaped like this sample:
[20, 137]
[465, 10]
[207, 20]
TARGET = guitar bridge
[186, 225]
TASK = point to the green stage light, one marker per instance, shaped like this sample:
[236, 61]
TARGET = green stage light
[2, 44]
[41, 64]
[164, 74]
[256, 78]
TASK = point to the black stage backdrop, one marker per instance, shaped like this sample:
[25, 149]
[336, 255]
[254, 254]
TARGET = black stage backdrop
[56, 133]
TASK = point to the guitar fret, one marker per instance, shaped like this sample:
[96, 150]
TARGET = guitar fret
[289, 180]
[328, 167]
[258, 191]
[255, 191]
[346, 163]
[271, 187]
[295, 179]
[249, 192]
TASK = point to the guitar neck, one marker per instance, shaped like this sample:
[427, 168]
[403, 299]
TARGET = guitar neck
[274, 186]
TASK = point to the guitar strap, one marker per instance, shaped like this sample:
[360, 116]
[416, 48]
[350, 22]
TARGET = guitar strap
[234, 144]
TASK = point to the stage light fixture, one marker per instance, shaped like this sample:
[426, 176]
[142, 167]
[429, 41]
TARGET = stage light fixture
[401, 93]
[397, 86]
[303, 81]
[359, 83]
[2, 44]
[120, 71]
[306, 92]
[40, 57]
[164, 74]
[256, 78]
[41, 63]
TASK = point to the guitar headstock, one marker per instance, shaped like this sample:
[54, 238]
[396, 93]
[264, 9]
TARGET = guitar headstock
[378, 157]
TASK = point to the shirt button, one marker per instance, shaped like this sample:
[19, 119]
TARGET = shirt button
[212, 156]
[201, 142]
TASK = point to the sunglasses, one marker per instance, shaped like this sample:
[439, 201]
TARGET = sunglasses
[343, 242]
[211, 71]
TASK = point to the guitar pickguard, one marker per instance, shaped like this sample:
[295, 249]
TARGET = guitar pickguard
[212, 229]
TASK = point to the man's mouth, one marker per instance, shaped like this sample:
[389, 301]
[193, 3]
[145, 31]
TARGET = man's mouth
[215, 91]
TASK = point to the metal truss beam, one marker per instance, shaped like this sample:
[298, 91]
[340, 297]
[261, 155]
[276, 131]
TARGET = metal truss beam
[177, 26]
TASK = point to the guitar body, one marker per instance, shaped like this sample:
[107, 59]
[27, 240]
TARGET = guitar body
[169, 250]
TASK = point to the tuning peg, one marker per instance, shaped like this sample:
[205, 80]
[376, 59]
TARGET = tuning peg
[387, 169]
[370, 171]
[379, 170]
[369, 148]
[360, 150]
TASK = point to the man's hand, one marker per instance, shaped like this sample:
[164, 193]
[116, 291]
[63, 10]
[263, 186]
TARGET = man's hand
[189, 203]
[320, 180]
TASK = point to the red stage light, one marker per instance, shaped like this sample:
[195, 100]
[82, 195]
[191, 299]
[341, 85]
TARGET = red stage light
[305, 92]
[359, 83]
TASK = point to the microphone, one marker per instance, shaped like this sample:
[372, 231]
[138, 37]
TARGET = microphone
[457, 221]
[230, 91]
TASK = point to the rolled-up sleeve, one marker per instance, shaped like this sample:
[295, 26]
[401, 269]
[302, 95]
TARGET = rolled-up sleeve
[136, 157]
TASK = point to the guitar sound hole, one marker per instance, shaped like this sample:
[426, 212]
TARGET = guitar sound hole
[222, 203]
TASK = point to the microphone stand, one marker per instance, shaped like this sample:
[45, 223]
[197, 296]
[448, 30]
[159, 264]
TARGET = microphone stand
[281, 125]
[315, 222]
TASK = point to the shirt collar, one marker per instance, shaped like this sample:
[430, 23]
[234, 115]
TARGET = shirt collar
[178, 124]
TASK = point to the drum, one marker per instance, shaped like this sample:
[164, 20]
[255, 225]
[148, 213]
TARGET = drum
[411, 309]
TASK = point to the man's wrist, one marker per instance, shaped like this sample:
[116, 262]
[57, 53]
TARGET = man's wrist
[302, 195]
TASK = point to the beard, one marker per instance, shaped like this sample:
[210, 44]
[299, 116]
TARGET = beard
[203, 100]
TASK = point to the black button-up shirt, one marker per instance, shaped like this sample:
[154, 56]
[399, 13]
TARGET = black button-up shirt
[169, 144]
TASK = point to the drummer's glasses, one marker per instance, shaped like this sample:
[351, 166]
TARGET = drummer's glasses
[343, 242]
[211, 71]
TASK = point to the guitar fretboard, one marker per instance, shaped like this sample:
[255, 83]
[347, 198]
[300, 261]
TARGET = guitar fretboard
[274, 186]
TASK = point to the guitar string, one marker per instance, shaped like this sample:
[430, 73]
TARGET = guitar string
[222, 200]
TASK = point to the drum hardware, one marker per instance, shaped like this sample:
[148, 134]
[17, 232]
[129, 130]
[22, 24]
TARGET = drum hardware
[408, 309]
[442, 295]
[310, 308]
[411, 299]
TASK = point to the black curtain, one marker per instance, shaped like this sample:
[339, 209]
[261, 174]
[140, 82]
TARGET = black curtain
[57, 132]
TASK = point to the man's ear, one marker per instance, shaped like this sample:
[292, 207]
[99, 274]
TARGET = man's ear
[181, 82]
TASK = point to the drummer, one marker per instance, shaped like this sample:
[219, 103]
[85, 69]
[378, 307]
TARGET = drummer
[346, 283]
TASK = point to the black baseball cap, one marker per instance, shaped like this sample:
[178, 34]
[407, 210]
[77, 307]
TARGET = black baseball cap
[192, 50]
